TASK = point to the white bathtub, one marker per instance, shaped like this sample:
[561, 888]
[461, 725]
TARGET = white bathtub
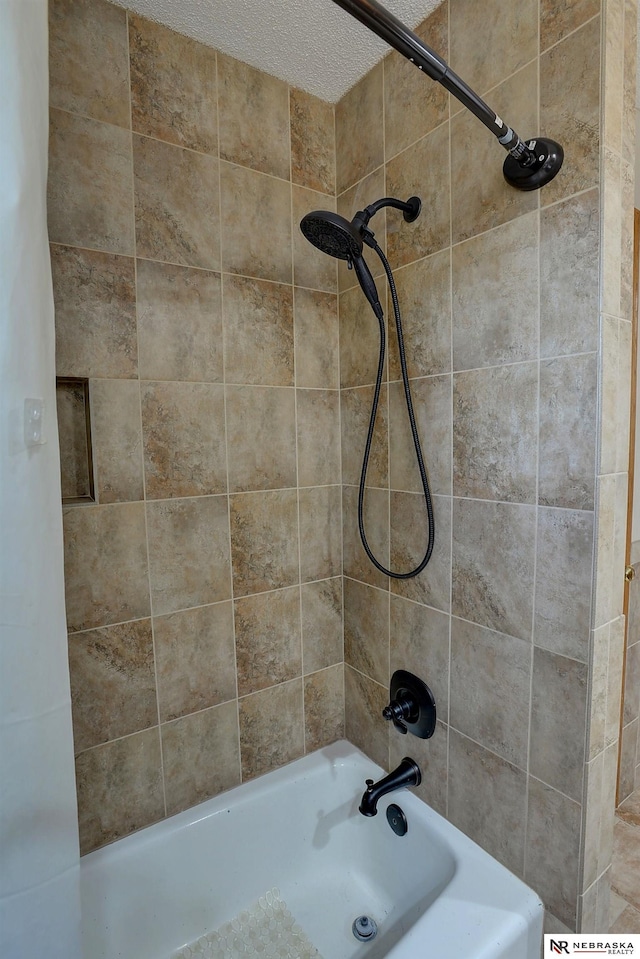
[433, 892]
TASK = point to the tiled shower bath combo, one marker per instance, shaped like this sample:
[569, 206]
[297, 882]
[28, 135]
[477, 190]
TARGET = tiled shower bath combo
[223, 618]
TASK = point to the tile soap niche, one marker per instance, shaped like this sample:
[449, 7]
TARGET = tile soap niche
[74, 433]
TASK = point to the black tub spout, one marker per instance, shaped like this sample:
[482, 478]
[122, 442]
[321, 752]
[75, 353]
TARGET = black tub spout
[406, 774]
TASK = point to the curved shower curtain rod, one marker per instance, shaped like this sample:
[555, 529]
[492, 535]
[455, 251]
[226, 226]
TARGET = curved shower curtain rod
[531, 164]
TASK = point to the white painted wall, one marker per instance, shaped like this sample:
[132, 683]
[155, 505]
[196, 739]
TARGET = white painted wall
[39, 888]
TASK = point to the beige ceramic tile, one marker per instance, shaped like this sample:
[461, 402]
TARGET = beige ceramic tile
[628, 754]
[271, 728]
[359, 130]
[612, 217]
[420, 170]
[89, 190]
[364, 725]
[631, 684]
[614, 683]
[95, 304]
[569, 239]
[613, 68]
[264, 540]
[404, 84]
[376, 525]
[256, 224]
[570, 109]
[254, 118]
[323, 708]
[626, 863]
[420, 643]
[200, 756]
[119, 788]
[179, 323]
[261, 431]
[561, 17]
[311, 267]
[490, 682]
[431, 757]
[355, 415]
[495, 433]
[188, 552]
[268, 639]
[113, 690]
[490, 273]
[106, 576]
[359, 340]
[258, 332]
[366, 630]
[321, 609]
[564, 568]
[75, 463]
[488, 800]
[317, 340]
[409, 540]
[176, 204]
[431, 399]
[173, 86]
[598, 693]
[424, 294]
[88, 59]
[492, 41]
[356, 198]
[313, 146]
[195, 659]
[184, 439]
[320, 510]
[630, 74]
[493, 564]
[116, 439]
[566, 467]
[558, 710]
[318, 425]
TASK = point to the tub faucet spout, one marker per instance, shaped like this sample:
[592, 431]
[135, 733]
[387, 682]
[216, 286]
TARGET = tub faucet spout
[406, 774]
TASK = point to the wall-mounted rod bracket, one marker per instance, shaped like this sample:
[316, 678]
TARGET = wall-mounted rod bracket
[530, 164]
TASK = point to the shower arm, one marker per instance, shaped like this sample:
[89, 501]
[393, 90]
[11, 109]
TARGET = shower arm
[529, 165]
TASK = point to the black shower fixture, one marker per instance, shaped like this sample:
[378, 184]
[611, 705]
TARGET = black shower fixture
[531, 164]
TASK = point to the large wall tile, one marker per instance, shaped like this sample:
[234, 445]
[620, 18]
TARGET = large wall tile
[490, 682]
[318, 426]
[268, 639]
[258, 332]
[311, 267]
[256, 224]
[491, 41]
[366, 630]
[488, 800]
[95, 302]
[323, 708]
[184, 439]
[409, 538]
[116, 437]
[424, 294]
[495, 296]
[200, 756]
[113, 690]
[89, 194]
[313, 144]
[357, 197]
[355, 415]
[317, 339]
[188, 552]
[564, 569]
[495, 427]
[106, 578]
[493, 565]
[177, 204]
[271, 728]
[359, 340]
[420, 643]
[254, 118]
[364, 725]
[88, 59]
[173, 86]
[561, 17]
[119, 788]
[568, 395]
[261, 430]
[264, 540]
[321, 608]
[431, 756]
[359, 130]
[552, 867]
[320, 511]
[431, 398]
[356, 563]
[570, 109]
[195, 659]
[558, 717]
[179, 323]
[404, 84]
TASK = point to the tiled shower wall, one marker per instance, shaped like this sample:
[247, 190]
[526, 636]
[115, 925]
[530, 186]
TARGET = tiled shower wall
[524, 422]
[204, 594]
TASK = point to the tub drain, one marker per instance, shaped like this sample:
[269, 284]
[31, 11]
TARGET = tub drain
[364, 928]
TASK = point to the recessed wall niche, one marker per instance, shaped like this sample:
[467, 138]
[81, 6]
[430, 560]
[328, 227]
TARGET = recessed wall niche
[74, 434]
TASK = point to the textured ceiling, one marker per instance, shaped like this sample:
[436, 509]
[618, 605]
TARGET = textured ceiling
[312, 44]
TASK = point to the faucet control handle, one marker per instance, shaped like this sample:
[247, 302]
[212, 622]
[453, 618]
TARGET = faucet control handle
[412, 707]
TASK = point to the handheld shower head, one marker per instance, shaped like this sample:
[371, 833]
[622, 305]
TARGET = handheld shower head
[332, 234]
